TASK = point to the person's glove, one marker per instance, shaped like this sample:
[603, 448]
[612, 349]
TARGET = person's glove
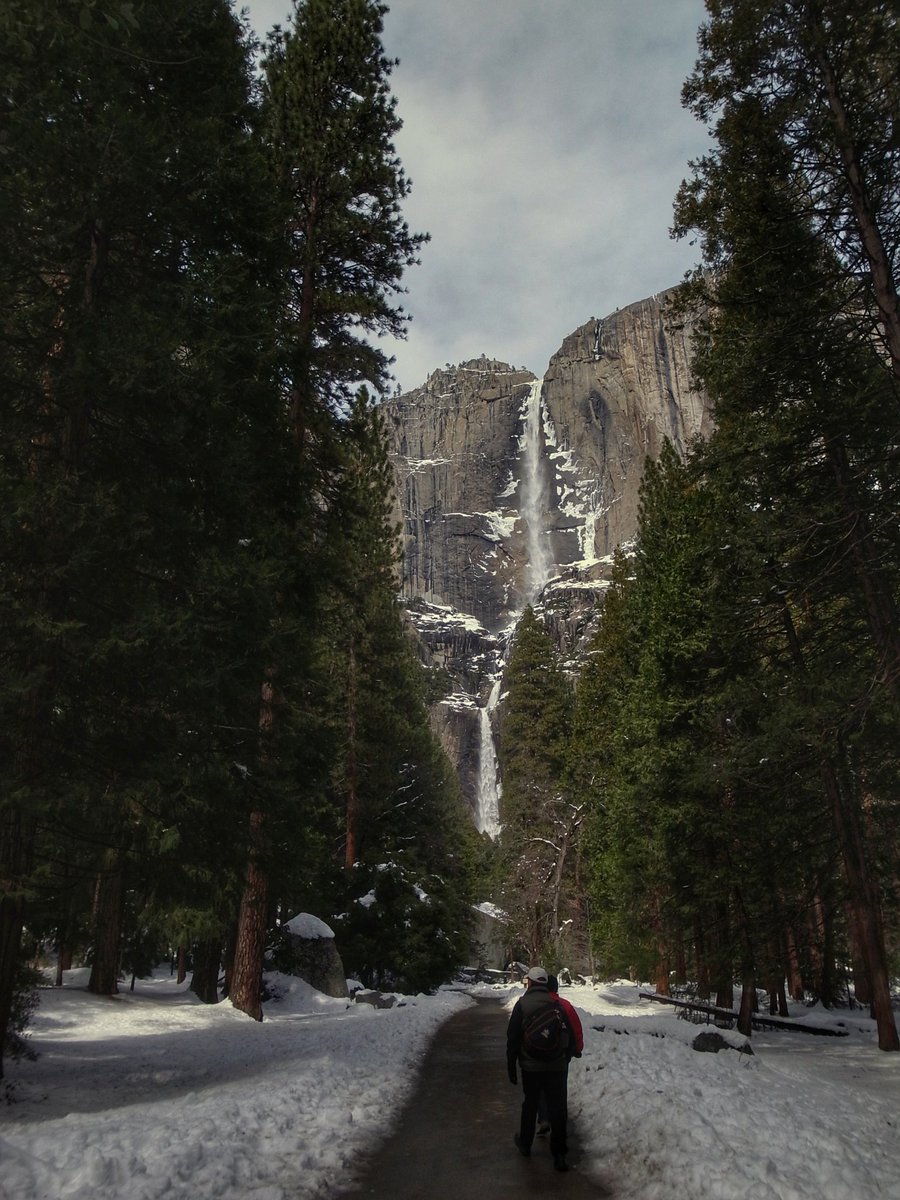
[512, 1075]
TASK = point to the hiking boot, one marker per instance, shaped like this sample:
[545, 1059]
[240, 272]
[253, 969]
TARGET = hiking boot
[524, 1150]
[543, 1129]
[559, 1163]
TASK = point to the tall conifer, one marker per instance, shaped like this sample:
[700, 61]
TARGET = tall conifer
[328, 121]
[797, 208]
[541, 818]
[821, 74]
[131, 213]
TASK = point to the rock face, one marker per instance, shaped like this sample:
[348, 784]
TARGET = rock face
[492, 939]
[614, 391]
[512, 490]
[454, 449]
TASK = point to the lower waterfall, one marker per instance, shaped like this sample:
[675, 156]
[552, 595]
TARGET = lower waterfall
[487, 799]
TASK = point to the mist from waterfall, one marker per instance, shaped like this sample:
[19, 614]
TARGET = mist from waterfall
[534, 498]
[487, 799]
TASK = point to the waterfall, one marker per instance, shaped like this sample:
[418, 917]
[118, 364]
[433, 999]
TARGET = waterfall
[534, 497]
[487, 801]
[533, 506]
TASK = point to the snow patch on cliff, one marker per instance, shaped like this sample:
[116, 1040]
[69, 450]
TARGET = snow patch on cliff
[425, 464]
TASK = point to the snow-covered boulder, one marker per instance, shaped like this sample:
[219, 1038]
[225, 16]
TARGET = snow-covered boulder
[711, 1041]
[310, 953]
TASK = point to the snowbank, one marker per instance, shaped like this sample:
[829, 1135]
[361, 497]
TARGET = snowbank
[153, 1094]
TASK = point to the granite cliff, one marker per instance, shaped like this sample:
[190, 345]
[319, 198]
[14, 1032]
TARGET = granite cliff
[513, 490]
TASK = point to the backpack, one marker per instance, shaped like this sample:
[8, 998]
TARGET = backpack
[545, 1034]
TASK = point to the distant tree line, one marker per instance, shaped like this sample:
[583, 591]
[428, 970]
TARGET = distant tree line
[211, 715]
[731, 748]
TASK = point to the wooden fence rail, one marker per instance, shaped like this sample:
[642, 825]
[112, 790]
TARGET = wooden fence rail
[726, 1014]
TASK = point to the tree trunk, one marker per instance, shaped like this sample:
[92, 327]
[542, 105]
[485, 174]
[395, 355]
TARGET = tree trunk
[815, 921]
[883, 283]
[779, 986]
[881, 612]
[17, 826]
[230, 948]
[703, 988]
[723, 979]
[661, 970]
[861, 883]
[783, 1010]
[661, 981]
[352, 803]
[826, 982]
[566, 836]
[862, 988]
[63, 962]
[181, 959]
[725, 994]
[776, 963]
[65, 933]
[109, 895]
[12, 919]
[680, 962]
[748, 1000]
[795, 977]
[205, 979]
[778, 1005]
[246, 983]
[245, 991]
[748, 967]
[866, 905]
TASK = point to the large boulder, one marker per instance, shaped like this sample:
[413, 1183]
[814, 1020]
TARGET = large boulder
[491, 937]
[711, 1042]
[311, 954]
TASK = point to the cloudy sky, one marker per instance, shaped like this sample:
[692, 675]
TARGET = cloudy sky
[545, 141]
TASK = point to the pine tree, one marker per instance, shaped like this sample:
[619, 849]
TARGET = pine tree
[330, 120]
[821, 73]
[407, 840]
[366, 630]
[327, 119]
[800, 392]
[662, 794]
[693, 841]
[135, 409]
[541, 820]
[613, 877]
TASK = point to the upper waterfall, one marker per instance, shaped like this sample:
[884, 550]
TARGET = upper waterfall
[534, 496]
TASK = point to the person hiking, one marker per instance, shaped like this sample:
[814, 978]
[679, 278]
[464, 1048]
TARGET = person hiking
[540, 1040]
[577, 1046]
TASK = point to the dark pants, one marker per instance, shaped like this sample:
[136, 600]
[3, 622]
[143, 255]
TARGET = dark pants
[549, 1086]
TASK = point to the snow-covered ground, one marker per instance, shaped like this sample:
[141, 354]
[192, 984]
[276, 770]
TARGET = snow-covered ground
[152, 1094]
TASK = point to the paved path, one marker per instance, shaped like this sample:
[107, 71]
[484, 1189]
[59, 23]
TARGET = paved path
[454, 1139]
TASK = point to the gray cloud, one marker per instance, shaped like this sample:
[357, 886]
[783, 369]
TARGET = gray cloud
[545, 141]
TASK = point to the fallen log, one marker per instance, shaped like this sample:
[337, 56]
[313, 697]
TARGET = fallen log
[757, 1021]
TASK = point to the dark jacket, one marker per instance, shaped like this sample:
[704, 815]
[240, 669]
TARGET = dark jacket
[537, 996]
